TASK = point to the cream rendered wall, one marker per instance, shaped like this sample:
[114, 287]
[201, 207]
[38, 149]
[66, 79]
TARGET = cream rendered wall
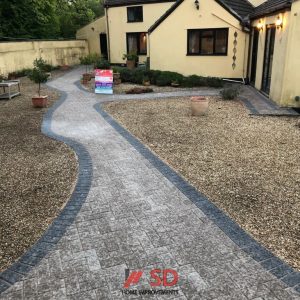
[257, 2]
[118, 27]
[15, 56]
[91, 33]
[279, 56]
[168, 42]
[291, 82]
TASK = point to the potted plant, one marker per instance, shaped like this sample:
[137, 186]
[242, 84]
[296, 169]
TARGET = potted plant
[86, 61]
[39, 76]
[131, 60]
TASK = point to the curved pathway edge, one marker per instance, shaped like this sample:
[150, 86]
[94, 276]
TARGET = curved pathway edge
[57, 228]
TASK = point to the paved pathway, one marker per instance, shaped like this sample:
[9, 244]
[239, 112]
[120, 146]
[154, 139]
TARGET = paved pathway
[136, 218]
[259, 105]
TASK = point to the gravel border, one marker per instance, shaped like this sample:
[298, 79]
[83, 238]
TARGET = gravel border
[60, 224]
[259, 253]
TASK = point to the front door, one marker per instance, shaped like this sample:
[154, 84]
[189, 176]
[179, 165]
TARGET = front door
[254, 55]
[103, 45]
[268, 59]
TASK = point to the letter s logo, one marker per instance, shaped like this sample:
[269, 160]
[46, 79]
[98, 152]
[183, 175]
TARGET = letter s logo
[157, 279]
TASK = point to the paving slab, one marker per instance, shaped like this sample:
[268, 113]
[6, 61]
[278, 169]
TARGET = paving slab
[131, 211]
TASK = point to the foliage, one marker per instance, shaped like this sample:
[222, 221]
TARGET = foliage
[46, 19]
[229, 93]
[38, 74]
[130, 56]
[166, 78]
[19, 73]
[102, 64]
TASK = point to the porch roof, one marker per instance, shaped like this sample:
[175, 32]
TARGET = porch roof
[269, 7]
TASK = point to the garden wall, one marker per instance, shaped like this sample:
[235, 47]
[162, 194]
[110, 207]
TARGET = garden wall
[15, 56]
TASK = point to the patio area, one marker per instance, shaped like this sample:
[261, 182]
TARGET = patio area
[130, 210]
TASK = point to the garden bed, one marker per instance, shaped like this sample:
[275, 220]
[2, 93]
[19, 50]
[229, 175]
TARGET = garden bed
[248, 166]
[37, 174]
[123, 87]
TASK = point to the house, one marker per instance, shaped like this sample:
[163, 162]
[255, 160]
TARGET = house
[253, 41]
[274, 59]
[95, 35]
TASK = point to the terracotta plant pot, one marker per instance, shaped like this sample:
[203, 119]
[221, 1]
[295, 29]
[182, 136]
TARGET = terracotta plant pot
[199, 105]
[130, 64]
[117, 79]
[40, 101]
[86, 76]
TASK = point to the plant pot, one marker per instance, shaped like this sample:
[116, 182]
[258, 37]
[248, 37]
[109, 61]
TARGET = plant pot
[199, 105]
[130, 64]
[117, 79]
[40, 101]
[116, 76]
[86, 76]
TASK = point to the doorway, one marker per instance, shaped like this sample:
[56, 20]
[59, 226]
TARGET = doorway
[268, 59]
[103, 45]
[254, 55]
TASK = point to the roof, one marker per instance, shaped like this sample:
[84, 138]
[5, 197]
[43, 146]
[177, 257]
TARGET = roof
[243, 8]
[270, 7]
[240, 9]
[113, 3]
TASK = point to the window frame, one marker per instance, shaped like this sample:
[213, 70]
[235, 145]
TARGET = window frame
[214, 41]
[133, 7]
[137, 34]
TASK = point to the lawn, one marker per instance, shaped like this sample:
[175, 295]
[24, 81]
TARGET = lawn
[37, 174]
[248, 166]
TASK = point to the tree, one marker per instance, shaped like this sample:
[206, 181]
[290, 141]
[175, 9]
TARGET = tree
[29, 19]
[46, 19]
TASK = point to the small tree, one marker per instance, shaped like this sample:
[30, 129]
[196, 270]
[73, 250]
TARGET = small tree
[38, 76]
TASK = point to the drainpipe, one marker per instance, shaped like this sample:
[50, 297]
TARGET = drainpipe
[107, 28]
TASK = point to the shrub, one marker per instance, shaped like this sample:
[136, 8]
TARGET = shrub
[229, 93]
[191, 81]
[17, 74]
[38, 76]
[102, 64]
[166, 78]
[214, 82]
[126, 75]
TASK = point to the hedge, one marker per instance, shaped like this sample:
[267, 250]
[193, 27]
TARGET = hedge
[166, 78]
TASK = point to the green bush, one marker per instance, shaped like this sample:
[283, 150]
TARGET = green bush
[166, 78]
[38, 76]
[102, 64]
[229, 93]
[214, 82]
[17, 74]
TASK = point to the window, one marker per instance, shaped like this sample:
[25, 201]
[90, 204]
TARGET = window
[135, 14]
[207, 41]
[137, 43]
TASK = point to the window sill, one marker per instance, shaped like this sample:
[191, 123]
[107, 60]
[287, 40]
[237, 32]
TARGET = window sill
[197, 54]
[135, 21]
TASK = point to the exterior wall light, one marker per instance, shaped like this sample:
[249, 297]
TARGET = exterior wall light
[279, 22]
[197, 4]
[260, 25]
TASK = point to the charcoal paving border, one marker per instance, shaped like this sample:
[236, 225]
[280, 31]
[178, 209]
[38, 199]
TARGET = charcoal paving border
[56, 230]
[259, 253]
